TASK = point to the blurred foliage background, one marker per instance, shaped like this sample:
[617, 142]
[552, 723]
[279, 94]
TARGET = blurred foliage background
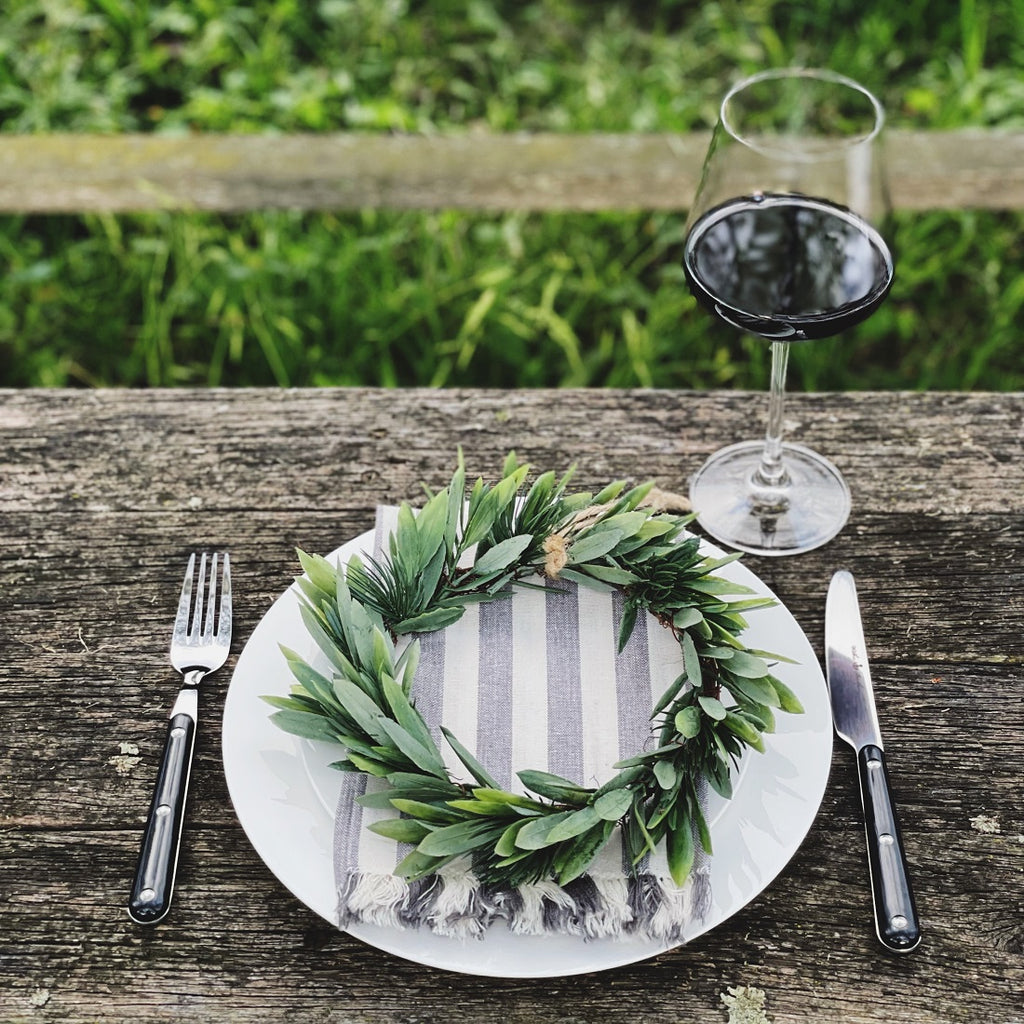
[449, 298]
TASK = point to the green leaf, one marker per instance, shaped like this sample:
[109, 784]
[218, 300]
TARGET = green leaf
[404, 713]
[629, 613]
[788, 700]
[593, 544]
[712, 707]
[627, 523]
[424, 811]
[534, 835]
[669, 695]
[461, 837]
[554, 787]
[611, 574]
[305, 724]
[429, 622]
[687, 721]
[503, 797]
[759, 691]
[748, 666]
[665, 773]
[715, 586]
[418, 865]
[506, 845]
[744, 730]
[424, 757]
[430, 529]
[361, 708]
[584, 579]
[502, 555]
[679, 847]
[685, 618]
[473, 766]
[575, 824]
[691, 660]
[613, 805]
[369, 765]
[402, 830]
[580, 855]
[320, 572]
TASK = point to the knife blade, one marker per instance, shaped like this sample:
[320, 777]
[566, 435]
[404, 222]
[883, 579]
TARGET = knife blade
[856, 721]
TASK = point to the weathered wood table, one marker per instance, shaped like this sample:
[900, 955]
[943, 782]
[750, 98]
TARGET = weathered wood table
[103, 493]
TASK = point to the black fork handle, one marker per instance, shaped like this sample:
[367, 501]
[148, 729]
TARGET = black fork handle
[158, 855]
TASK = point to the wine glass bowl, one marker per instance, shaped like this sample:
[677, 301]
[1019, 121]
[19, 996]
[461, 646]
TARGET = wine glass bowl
[783, 242]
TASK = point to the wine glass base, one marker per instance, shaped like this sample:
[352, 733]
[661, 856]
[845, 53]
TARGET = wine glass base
[814, 509]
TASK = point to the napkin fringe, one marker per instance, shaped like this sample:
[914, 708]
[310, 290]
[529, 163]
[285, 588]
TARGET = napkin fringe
[452, 903]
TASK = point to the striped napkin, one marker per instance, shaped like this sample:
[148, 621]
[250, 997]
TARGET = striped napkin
[534, 681]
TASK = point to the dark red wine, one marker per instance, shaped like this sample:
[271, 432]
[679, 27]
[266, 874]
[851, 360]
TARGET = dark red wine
[787, 267]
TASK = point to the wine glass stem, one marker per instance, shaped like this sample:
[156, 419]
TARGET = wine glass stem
[771, 475]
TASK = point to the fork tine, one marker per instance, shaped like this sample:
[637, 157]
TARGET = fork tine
[224, 625]
[197, 612]
[211, 600]
[184, 603]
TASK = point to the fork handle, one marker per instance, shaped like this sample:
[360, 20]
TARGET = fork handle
[158, 856]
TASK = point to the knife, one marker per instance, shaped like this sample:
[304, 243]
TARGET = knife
[856, 721]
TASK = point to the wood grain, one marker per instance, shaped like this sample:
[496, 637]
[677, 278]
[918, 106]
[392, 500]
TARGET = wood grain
[966, 168]
[102, 494]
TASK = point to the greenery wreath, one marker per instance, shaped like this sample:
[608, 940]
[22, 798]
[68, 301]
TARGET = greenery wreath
[459, 550]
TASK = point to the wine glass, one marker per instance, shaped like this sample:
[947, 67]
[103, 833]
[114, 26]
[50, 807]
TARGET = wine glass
[783, 242]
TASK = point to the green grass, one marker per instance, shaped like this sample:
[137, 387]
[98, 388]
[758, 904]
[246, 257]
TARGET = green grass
[448, 298]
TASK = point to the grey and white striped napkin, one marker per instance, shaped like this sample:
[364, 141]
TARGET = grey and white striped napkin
[534, 681]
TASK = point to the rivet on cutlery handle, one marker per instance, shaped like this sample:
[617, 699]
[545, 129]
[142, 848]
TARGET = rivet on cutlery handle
[151, 892]
[895, 911]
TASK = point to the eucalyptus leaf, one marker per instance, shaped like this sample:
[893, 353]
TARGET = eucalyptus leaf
[554, 787]
[687, 721]
[502, 555]
[629, 614]
[417, 865]
[712, 707]
[758, 690]
[304, 724]
[747, 665]
[575, 824]
[669, 695]
[428, 622]
[423, 756]
[744, 730]
[461, 837]
[613, 805]
[691, 661]
[534, 835]
[680, 850]
[788, 700]
[665, 773]
[475, 768]
[593, 544]
[575, 860]
[402, 830]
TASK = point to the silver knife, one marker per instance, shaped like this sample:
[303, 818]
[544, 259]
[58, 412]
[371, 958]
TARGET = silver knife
[856, 721]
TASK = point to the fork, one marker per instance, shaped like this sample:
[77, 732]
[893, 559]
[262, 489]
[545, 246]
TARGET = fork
[199, 645]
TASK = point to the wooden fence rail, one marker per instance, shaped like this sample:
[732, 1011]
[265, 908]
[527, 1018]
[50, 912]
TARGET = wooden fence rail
[229, 173]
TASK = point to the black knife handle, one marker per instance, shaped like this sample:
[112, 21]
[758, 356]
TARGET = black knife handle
[158, 856]
[895, 912]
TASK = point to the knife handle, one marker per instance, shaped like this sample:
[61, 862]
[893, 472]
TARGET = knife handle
[158, 855]
[895, 912]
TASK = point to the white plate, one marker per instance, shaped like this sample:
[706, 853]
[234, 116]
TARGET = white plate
[284, 796]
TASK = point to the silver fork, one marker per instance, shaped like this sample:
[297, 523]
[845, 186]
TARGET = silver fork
[199, 645]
